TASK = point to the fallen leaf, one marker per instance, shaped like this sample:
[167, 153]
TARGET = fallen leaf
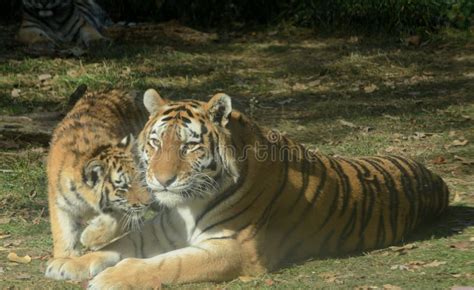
[370, 88]
[435, 263]
[391, 117]
[348, 124]
[399, 267]
[414, 40]
[457, 197]
[44, 77]
[12, 256]
[463, 246]
[15, 93]
[471, 239]
[330, 277]
[391, 287]
[13, 243]
[4, 236]
[246, 279]
[464, 161]
[5, 220]
[452, 133]
[462, 288]
[300, 128]
[32, 194]
[2, 270]
[269, 282]
[403, 249]
[23, 276]
[439, 160]
[365, 287]
[314, 83]
[459, 142]
[299, 87]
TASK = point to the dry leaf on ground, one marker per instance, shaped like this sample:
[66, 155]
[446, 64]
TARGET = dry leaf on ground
[460, 142]
[463, 246]
[246, 279]
[5, 220]
[330, 277]
[464, 161]
[348, 124]
[365, 287]
[269, 282]
[368, 89]
[23, 276]
[439, 160]
[15, 93]
[435, 263]
[391, 287]
[44, 77]
[12, 256]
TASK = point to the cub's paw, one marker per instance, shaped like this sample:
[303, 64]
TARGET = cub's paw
[80, 268]
[100, 231]
[128, 274]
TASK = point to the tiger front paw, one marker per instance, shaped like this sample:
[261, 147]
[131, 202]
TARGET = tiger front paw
[100, 231]
[81, 268]
[128, 274]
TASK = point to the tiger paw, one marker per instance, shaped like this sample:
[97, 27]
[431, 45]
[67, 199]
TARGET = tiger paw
[100, 231]
[81, 268]
[128, 274]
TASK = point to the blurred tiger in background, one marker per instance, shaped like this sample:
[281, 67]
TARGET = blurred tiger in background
[243, 200]
[95, 191]
[58, 23]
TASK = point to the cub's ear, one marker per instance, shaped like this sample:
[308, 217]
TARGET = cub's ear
[152, 101]
[219, 108]
[93, 172]
[127, 142]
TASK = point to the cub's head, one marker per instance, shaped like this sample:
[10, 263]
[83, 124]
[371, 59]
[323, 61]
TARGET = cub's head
[48, 8]
[187, 148]
[114, 177]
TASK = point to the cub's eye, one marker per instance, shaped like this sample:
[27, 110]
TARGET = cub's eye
[155, 143]
[190, 146]
[120, 182]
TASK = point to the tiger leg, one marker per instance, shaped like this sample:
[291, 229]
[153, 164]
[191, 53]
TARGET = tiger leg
[34, 36]
[91, 38]
[65, 231]
[101, 230]
[212, 260]
[134, 244]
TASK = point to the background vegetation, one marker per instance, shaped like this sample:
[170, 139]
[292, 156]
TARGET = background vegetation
[407, 16]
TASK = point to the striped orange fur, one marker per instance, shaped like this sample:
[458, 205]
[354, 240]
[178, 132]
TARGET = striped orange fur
[242, 200]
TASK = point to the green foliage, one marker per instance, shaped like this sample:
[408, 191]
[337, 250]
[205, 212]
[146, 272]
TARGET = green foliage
[387, 15]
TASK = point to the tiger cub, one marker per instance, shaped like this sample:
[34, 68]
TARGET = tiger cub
[53, 23]
[92, 174]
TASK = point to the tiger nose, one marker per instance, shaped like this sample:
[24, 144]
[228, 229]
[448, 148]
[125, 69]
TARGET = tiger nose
[166, 180]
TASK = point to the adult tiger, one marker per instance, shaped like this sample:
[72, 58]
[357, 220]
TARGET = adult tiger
[241, 201]
[59, 22]
[93, 176]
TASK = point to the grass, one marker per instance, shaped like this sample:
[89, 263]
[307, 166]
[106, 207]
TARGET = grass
[391, 98]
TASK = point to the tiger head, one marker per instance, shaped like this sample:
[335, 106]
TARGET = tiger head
[114, 177]
[185, 147]
[47, 8]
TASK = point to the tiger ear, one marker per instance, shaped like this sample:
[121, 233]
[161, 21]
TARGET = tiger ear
[127, 142]
[219, 108]
[153, 101]
[93, 172]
